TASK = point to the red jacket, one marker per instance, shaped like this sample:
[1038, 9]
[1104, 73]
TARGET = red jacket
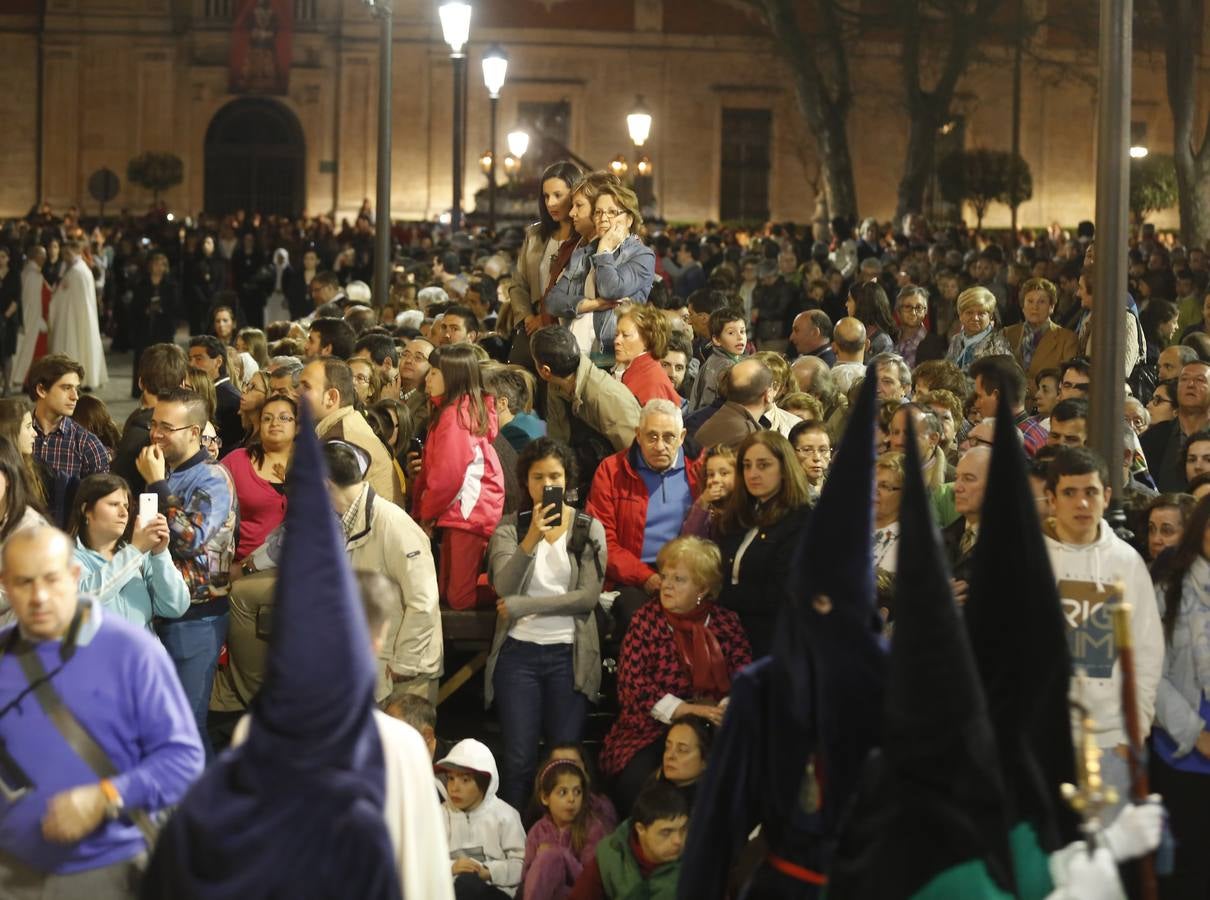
[647, 380]
[461, 482]
[618, 500]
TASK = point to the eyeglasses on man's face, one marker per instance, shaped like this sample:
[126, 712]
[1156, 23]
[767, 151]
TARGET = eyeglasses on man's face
[166, 428]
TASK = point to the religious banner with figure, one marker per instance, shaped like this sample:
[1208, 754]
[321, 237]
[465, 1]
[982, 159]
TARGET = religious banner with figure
[260, 46]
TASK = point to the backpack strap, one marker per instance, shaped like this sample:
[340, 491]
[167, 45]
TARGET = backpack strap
[579, 538]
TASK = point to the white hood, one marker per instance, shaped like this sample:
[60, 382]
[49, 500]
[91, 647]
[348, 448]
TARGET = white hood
[474, 755]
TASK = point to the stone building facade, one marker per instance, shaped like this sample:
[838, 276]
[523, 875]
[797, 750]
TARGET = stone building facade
[92, 83]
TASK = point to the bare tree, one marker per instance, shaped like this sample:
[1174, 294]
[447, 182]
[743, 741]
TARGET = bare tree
[1182, 37]
[946, 30]
[818, 62]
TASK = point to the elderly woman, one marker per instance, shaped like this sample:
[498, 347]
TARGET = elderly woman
[610, 264]
[642, 340]
[978, 335]
[888, 488]
[760, 530]
[1038, 342]
[677, 660]
[916, 344]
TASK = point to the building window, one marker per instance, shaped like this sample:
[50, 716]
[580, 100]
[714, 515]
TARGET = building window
[549, 125]
[744, 179]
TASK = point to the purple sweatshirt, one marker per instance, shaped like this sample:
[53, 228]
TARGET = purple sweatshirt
[122, 687]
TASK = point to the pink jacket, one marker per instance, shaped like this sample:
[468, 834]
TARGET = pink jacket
[461, 482]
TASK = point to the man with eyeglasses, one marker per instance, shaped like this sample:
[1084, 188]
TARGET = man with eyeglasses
[1076, 380]
[197, 497]
[1164, 442]
[413, 366]
[162, 368]
[641, 496]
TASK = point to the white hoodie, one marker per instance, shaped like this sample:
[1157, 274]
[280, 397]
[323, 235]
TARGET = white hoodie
[491, 833]
[1085, 574]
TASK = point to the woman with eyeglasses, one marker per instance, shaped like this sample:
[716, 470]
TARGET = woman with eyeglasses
[813, 449]
[916, 344]
[978, 335]
[1162, 405]
[124, 560]
[610, 264]
[259, 474]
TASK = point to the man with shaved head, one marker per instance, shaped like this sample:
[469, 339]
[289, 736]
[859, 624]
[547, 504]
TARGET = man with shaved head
[850, 344]
[122, 743]
[748, 387]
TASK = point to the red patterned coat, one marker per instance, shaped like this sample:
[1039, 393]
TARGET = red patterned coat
[651, 667]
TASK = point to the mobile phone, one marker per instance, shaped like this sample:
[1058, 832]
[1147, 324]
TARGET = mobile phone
[552, 493]
[149, 506]
[416, 445]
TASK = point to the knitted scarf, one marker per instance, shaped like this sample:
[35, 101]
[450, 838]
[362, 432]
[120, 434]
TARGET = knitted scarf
[700, 651]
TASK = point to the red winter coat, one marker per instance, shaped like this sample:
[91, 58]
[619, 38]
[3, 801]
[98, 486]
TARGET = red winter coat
[618, 501]
[461, 482]
[647, 380]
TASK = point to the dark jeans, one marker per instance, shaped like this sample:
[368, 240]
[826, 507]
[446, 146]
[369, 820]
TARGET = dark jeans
[629, 783]
[472, 887]
[1187, 799]
[535, 697]
[194, 645]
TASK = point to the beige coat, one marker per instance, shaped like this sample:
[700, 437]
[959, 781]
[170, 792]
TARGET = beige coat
[347, 424]
[387, 540]
[526, 290]
[600, 401]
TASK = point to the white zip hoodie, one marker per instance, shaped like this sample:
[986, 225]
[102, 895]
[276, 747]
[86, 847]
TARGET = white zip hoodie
[1086, 573]
[491, 833]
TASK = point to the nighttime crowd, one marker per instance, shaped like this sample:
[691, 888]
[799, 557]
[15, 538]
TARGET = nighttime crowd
[604, 440]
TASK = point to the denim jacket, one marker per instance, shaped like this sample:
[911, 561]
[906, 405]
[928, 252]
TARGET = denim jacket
[626, 272]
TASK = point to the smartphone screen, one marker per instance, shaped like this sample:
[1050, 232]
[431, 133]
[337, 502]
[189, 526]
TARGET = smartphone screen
[149, 506]
[553, 494]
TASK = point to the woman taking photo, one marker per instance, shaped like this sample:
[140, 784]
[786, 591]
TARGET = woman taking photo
[547, 567]
[641, 341]
[542, 255]
[124, 561]
[1180, 738]
[460, 488]
[977, 335]
[760, 529]
[678, 657]
[258, 471]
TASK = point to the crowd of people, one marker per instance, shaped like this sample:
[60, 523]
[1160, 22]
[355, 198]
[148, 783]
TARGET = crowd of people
[608, 437]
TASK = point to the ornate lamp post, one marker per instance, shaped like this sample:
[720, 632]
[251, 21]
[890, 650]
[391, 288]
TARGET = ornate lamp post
[456, 29]
[495, 70]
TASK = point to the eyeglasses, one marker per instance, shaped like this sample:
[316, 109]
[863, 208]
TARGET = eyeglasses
[1156, 398]
[414, 357]
[606, 213]
[165, 428]
[814, 451]
[653, 438]
[212, 440]
[361, 379]
[284, 418]
[915, 307]
[887, 488]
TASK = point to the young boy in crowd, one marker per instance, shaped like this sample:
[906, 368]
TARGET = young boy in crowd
[729, 342]
[642, 856]
[486, 838]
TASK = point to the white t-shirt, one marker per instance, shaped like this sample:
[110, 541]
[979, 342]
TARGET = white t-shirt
[552, 573]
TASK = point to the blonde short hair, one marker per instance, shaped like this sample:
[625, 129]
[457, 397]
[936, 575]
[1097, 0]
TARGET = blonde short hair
[702, 558]
[977, 296]
[891, 462]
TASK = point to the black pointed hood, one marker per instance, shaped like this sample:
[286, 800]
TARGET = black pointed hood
[932, 798]
[1015, 623]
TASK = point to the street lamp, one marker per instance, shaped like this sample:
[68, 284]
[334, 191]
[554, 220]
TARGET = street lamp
[518, 143]
[639, 122]
[456, 29]
[495, 69]
[644, 167]
[618, 165]
[487, 161]
[1137, 152]
[382, 218]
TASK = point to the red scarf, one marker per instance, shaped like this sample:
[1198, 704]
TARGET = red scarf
[700, 652]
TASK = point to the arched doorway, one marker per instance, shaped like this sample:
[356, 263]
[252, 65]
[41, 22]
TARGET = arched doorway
[255, 159]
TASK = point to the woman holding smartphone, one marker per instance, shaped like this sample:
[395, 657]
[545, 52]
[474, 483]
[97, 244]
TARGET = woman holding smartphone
[547, 566]
[124, 560]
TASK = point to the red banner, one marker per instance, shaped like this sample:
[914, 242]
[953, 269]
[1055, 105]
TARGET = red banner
[260, 46]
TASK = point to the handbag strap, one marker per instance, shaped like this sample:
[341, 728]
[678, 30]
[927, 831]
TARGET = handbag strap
[83, 744]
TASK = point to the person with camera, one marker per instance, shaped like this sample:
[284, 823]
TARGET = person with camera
[547, 565]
